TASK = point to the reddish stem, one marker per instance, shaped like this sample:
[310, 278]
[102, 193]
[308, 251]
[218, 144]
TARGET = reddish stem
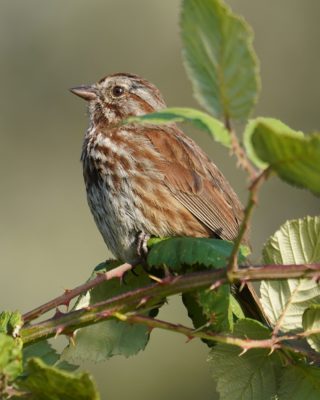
[68, 295]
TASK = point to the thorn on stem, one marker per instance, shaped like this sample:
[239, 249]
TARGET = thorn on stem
[59, 330]
[242, 285]
[150, 329]
[242, 352]
[143, 301]
[72, 339]
[216, 284]
[155, 278]
[58, 313]
[189, 338]
[66, 302]
[272, 349]
[167, 272]
[71, 336]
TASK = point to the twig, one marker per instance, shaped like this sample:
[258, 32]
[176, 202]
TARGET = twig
[190, 333]
[69, 294]
[253, 199]
[277, 271]
[256, 181]
[238, 151]
[150, 295]
[272, 343]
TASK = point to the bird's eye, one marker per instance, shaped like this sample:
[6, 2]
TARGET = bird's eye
[117, 91]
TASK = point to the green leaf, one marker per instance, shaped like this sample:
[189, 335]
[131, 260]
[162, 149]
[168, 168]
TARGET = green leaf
[300, 382]
[296, 242]
[311, 323]
[293, 156]
[216, 307]
[198, 118]
[109, 338]
[219, 58]
[251, 329]
[47, 354]
[250, 129]
[195, 312]
[250, 376]
[10, 357]
[211, 308]
[236, 308]
[10, 322]
[50, 383]
[154, 240]
[180, 251]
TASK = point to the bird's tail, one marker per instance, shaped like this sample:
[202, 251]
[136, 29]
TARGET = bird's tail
[249, 301]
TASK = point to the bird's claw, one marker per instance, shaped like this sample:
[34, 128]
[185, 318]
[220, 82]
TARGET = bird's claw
[142, 244]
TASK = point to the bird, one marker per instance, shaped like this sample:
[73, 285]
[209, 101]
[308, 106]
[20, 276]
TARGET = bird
[148, 180]
[151, 180]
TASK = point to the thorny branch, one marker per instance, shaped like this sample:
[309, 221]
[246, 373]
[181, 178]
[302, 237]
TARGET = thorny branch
[272, 343]
[256, 181]
[236, 148]
[148, 296]
[253, 199]
[70, 294]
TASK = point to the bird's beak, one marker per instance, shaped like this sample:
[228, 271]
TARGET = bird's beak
[85, 92]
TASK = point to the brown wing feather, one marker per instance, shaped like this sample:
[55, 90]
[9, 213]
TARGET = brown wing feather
[196, 182]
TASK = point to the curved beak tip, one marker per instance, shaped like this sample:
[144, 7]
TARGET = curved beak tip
[87, 93]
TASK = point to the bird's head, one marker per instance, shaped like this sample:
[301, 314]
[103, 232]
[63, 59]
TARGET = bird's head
[119, 96]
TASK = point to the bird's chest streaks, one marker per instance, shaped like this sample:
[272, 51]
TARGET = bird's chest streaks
[113, 204]
[119, 171]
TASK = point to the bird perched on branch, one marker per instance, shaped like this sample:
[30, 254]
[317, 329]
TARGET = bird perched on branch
[148, 180]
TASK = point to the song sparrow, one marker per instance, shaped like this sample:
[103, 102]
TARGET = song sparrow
[151, 180]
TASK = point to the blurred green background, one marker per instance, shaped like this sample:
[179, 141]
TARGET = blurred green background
[48, 240]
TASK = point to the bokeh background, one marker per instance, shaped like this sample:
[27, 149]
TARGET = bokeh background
[48, 240]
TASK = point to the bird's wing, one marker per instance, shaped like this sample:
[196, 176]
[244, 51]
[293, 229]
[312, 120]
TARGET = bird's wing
[195, 181]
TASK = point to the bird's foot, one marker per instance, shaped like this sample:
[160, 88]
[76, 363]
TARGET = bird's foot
[142, 245]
